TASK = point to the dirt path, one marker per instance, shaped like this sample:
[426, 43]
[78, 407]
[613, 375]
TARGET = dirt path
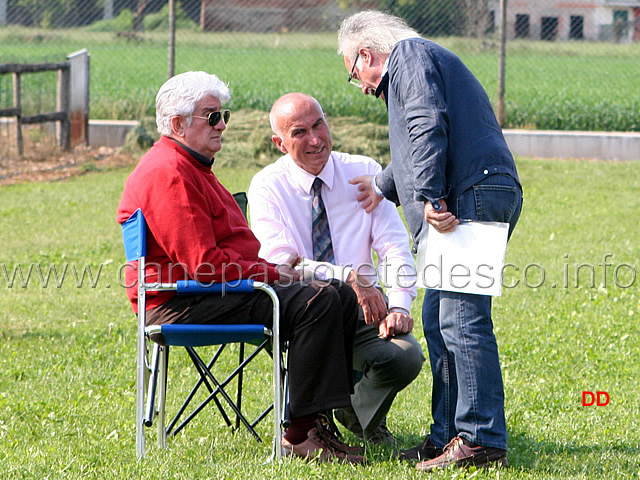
[42, 161]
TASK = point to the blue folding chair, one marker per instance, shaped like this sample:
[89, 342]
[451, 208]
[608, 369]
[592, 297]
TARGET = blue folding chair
[152, 376]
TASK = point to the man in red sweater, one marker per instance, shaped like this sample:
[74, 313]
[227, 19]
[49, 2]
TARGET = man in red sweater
[197, 231]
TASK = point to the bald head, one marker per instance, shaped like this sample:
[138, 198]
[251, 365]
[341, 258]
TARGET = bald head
[287, 106]
[300, 130]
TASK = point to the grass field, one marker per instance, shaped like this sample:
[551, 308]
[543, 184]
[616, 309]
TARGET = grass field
[549, 85]
[67, 351]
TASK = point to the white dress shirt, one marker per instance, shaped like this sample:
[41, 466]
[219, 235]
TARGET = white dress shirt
[280, 198]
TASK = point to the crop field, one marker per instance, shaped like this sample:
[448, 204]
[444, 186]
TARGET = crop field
[549, 85]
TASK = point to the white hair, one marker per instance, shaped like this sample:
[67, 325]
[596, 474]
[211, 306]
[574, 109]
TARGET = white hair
[180, 94]
[376, 31]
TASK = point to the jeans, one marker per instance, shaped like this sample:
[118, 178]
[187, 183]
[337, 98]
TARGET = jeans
[468, 394]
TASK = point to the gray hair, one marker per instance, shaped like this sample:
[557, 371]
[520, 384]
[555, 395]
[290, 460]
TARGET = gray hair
[377, 31]
[180, 94]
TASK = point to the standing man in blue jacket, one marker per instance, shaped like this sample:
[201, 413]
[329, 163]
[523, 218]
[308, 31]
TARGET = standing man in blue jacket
[449, 161]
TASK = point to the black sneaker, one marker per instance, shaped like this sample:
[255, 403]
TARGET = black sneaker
[425, 451]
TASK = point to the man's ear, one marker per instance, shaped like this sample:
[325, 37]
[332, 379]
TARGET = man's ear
[177, 125]
[279, 143]
[365, 55]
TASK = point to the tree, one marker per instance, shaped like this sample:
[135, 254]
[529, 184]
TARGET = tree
[433, 18]
[138, 16]
[56, 13]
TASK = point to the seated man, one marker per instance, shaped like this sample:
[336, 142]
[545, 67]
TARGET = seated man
[281, 198]
[197, 231]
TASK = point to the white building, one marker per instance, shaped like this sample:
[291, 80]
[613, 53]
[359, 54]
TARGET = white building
[594, 20]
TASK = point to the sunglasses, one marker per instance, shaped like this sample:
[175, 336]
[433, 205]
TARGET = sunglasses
[214, 117]
[352, 80]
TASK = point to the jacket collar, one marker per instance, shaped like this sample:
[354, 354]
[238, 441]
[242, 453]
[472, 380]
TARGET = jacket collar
[383, 87]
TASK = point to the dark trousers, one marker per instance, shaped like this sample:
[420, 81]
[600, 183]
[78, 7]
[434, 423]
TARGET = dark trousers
[318, 320]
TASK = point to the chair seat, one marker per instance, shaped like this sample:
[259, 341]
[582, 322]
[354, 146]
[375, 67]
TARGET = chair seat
[195, 335]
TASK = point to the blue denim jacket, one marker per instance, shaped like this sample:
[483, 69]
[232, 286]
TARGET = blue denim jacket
[443, 133]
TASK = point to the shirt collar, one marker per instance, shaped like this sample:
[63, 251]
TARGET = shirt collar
[385, 67]
[207, 162]
[305, 179]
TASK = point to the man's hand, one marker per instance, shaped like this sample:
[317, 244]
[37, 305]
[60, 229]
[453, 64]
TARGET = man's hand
[367, 197]
[395, 323]
[443, 221]
[286, 270]
[369, 298]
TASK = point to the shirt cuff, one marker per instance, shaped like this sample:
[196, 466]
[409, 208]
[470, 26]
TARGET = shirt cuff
[400, 299]
[374, 185]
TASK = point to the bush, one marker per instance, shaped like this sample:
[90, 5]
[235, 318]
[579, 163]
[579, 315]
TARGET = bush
[121, 23]
[159, 22]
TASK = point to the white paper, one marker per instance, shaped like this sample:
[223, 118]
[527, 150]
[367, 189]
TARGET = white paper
[469, 259]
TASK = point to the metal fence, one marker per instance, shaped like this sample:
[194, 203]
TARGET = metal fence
[607, 32]
[594, 20]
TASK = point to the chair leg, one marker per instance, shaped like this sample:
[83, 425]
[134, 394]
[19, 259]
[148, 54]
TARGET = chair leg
[152, 384]
[240, 375]
[163, 364]
[285, 417]
[277, 369]
[280, 396]
[141, 382]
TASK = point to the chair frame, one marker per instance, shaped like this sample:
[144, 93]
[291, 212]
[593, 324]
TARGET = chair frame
[134, 232]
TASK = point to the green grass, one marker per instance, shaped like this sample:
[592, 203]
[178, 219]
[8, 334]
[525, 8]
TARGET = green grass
[67, 354]
[549, 85]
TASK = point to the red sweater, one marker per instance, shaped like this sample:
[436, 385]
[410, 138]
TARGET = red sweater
[195, 228]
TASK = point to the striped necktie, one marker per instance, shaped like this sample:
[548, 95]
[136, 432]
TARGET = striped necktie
[320, 234]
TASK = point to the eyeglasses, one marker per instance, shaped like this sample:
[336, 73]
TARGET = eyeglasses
[352, 80]
[214, 117]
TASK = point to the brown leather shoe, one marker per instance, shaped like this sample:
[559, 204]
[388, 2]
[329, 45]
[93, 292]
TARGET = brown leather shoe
[426, 450]
[333, 435]
[323, 445]
[460, 453]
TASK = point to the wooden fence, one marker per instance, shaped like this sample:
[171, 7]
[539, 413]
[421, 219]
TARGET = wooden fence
[72, 115]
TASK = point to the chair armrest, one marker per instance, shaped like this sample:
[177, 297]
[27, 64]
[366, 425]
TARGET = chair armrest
[190, 287]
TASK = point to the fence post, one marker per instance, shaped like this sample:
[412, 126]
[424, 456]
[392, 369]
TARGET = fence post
[108, 10]
[18, 106]
[172, 37]
[3, 12]
[502, 64]
[64, 126]
[79, 96]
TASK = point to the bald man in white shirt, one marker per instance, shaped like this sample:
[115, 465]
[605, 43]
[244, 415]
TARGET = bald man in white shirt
[387, 357]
